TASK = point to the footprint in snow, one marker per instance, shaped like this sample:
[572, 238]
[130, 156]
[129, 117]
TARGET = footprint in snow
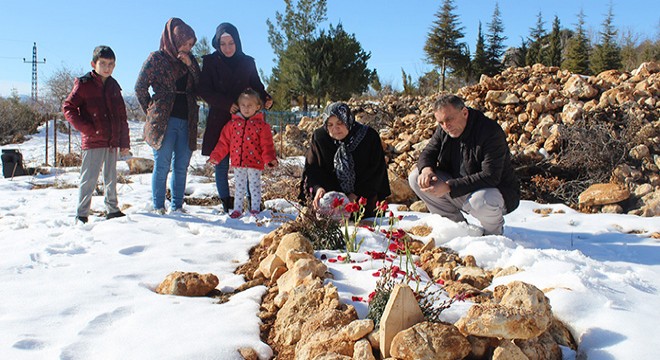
[132, 250]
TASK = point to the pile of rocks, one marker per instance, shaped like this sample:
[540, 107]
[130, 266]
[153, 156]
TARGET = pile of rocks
[536, 106]
[304, 319]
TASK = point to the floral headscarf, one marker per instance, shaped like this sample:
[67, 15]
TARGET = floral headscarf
[343, 160]
[175, 34]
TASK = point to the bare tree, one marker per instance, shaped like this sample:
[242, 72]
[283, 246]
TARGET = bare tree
[133, 108]
[58, 87]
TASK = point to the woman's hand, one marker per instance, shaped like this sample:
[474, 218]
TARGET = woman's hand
[317, 197]
[212, 161]
[184, 57]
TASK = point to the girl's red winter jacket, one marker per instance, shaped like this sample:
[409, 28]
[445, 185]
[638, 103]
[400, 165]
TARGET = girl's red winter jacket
[98, 112]
[249, 143]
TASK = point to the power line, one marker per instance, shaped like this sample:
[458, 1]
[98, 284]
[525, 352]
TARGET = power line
[34, 63]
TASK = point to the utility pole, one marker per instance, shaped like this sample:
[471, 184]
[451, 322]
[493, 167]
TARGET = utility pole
[34, 63]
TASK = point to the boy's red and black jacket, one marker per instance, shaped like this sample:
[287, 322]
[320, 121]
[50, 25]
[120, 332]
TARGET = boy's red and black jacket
[98, 112]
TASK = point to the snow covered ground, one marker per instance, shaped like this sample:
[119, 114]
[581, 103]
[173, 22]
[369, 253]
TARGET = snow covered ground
[86, 291]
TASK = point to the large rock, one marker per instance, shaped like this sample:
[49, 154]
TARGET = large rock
[543, 347]
[310, 298]
[401, 312]
[603, 194]
[502, 97]
[268, 265]
[322, 334]
[523, 312]
[140, 165]
[401, 191]
[304, 270]
[293, 241]
[362, 350]
[428, 340]
[578, 87]
[507, 350]
[187, 284]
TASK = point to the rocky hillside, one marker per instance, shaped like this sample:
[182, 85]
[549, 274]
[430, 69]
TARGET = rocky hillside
[566, 132]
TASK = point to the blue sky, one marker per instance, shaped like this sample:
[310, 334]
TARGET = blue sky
[393, 31]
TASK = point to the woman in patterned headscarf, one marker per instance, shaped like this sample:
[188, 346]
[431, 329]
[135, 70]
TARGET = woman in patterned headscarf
[172, 112]
[345, 156]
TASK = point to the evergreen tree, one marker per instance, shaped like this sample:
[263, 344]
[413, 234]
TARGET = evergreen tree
[479, 61]
[299, 22]
[520, 56]
[344, 64]
[292, 38]
[495, 47]
[554, 51]
[577, 50]
[201, 48]
[536, 42]
[408, 86]
[607, 53]
[442, 47]
[375, 82]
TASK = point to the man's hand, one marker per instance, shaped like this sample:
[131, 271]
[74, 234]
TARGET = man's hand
[438, 188]
[426, 178]
[124, 152]
[317, 197]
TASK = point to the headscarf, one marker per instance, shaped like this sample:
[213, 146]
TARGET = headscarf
[343, 160]
[175, 34]
[227, 28]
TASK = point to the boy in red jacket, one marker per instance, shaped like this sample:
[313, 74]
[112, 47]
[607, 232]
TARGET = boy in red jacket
[96, 108]
[248, 140]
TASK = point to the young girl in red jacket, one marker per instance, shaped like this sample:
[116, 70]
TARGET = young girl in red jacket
[248, 140]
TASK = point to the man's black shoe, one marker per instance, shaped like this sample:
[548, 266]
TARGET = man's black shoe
[82, 219]
[115, 215]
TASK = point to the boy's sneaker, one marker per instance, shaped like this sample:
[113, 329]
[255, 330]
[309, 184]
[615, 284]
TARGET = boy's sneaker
[82, 219]
[115, 214]
[160, 211]
[235, 214]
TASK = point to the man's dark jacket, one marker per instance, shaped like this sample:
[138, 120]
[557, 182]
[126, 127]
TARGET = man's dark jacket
[478, 159]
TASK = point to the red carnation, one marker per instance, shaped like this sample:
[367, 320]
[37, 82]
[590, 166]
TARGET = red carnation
[351, 207]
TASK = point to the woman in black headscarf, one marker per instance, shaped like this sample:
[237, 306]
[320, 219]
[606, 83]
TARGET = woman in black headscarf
[225, 74]
[345, 156]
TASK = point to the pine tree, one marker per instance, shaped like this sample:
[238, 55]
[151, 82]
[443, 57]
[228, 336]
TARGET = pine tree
[536, 38]
[479, 61]
[607, 53]
[554, 51]
[442, 47]
[520, 57]
[495, 47]
[577, 50]
[292, 38]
